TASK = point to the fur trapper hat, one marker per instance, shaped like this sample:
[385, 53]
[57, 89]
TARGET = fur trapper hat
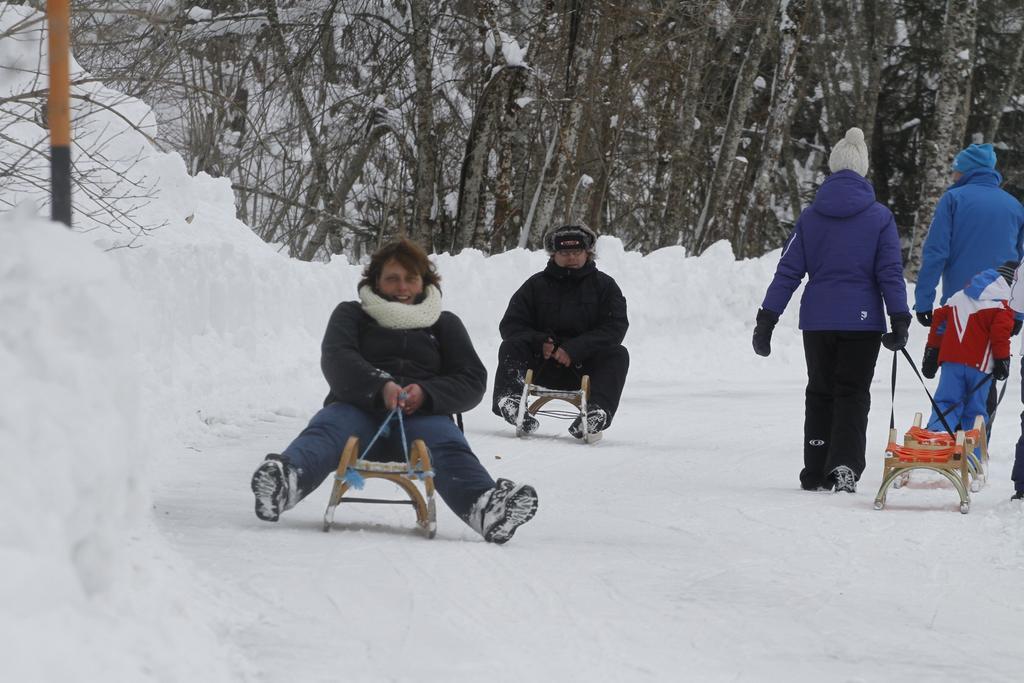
[576, 236]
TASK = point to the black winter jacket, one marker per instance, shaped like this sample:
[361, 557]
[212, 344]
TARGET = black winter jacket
[582, 308]
[359, 356]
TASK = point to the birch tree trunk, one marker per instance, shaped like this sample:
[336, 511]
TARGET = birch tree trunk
[783, 107]
[474, 164]
[580, 58]
[424, 184]
[834, 112]
[665, 142]
[950, 118]
[505, 215]
[608, 136]
[742, 96]
[673, 225]
[1002, 96]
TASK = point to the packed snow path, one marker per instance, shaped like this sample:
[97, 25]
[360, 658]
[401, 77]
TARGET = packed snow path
[653, 556]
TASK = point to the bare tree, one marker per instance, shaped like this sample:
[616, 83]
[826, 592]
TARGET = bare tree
[950, 117]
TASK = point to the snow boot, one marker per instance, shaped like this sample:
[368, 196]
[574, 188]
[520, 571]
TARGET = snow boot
[509, 407]
[275, 484]
[499, 512]
[597, 420]
[1018, 495]
[843, 479]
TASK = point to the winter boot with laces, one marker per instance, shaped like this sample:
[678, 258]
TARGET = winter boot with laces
[509, 407]
[843, 479]
[276, 487]
[499, 512]
[597, 420]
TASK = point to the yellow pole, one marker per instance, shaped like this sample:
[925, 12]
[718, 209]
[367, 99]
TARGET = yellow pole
[58, 108]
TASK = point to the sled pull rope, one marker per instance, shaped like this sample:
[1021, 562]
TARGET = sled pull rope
[935, 406]
[352, 476]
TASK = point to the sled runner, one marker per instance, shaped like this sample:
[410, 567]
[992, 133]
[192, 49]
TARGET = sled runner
[951, 456]
[353, 470]
[542, 395]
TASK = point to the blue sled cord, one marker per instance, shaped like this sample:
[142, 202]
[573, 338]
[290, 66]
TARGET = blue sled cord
[355, 480]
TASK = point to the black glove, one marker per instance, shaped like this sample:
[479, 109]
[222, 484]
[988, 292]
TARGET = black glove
[930, 362]
[1001, 368]
[925, 318]
[1016, 327]
[763, 331]
[897, 339]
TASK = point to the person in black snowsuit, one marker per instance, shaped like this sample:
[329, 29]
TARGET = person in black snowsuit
[564, 322]
[395, 347]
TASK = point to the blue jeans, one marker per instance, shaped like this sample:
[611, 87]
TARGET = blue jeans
[459, 477]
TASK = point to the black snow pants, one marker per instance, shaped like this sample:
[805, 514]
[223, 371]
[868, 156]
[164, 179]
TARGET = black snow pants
[607, 370]
[840, 366]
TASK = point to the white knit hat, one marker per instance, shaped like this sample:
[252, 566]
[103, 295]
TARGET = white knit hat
[850, 153]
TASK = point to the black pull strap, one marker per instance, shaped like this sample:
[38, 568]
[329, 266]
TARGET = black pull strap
[995, 408]
[935, 406]
[892, 401]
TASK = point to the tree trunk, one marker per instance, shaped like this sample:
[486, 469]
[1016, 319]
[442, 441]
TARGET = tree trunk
[1002, 97]
[950, 120]
[505, 216]
[673, 227]
[321, 175]
[743, 95]
[580, 58]
[783, 107]
[375, 131]
[424, 188]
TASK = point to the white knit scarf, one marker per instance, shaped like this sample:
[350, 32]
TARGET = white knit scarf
[395, 315]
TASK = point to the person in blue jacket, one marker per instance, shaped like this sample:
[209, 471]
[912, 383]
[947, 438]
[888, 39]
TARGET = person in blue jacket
[977, 225]
[847, 245]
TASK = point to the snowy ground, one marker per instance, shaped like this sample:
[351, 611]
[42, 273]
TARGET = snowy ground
[142, 386]
[661, 553]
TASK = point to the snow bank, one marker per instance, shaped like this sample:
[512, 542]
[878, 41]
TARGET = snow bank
[109, 355]
[82, 574]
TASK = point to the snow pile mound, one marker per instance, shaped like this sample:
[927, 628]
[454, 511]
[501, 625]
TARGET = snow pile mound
[81, 578]
[66, 350]
[108, 357]
[88, 592]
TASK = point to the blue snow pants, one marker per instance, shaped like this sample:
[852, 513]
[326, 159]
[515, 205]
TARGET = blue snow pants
[459, 477]
[956, 381]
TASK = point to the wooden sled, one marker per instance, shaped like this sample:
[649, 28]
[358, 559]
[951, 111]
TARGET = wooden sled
[542, 395]
[952, 457]
[395, 472]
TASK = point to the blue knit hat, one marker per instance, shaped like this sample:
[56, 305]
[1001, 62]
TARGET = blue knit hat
[975, 156]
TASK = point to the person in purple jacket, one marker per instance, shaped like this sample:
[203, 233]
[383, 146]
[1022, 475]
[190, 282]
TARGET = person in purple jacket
[847, 245]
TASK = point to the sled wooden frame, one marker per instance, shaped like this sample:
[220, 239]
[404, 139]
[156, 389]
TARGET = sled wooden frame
[541, 395]
[395, 472]
[955, 462]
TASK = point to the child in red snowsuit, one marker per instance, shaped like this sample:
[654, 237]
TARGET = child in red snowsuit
[970, 339]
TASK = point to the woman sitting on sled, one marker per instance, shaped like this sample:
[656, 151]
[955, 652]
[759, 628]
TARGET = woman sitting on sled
[565, 322]
[396, 347]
